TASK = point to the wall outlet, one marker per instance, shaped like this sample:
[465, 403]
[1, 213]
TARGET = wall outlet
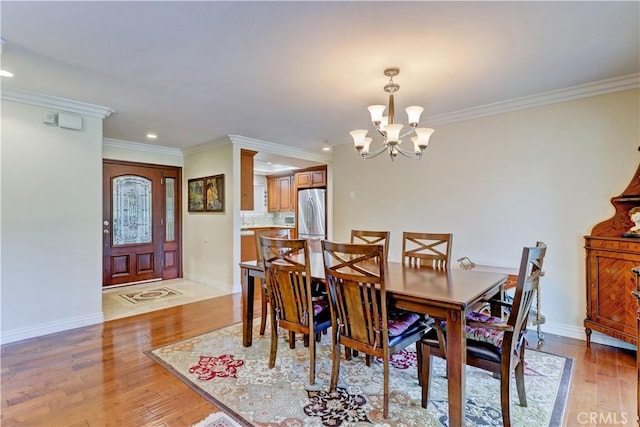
[206, 238]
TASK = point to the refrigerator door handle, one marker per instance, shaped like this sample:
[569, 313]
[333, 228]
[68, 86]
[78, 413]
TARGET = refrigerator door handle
[310, 214]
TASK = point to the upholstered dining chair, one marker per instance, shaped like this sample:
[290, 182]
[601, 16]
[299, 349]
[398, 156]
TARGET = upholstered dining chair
[372, 238]
[493, 344]
[360, 316]
[280, 233]
[287, 272]
[426, 249]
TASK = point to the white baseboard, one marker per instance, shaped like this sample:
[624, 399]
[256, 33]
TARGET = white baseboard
[34, 331]
[577, 332]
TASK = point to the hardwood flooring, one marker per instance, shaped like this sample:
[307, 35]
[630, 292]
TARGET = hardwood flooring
[100, 376]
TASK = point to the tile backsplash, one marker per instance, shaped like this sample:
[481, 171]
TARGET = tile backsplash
[251, 219]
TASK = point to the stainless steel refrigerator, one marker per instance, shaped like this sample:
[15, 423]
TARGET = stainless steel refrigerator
[312, 214]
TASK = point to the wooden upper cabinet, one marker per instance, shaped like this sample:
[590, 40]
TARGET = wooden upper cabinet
[312, 178]
[246, 179]
[280, 193]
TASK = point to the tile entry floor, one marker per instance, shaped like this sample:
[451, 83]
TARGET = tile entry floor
[124, 301]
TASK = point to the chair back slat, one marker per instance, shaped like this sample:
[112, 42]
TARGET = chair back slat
[372, 238]
[426, 249]
[526, 288]
[285, 275]
[280, 233]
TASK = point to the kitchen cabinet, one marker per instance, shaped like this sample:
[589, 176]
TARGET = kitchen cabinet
[610, 257]
[248, 241]
[247, 247]
[246, 179]
[311, 178]
[280, 193]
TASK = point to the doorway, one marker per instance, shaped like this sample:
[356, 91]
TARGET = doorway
[141, 225]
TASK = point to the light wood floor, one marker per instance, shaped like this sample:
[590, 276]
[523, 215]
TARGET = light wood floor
[100, 376]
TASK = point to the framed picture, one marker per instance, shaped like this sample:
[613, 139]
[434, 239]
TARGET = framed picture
[214, 193]
[196, 195]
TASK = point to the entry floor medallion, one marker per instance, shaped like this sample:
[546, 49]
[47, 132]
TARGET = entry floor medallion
[239, 381]
[148, 295]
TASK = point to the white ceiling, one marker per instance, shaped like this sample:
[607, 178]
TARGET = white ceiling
[302, 73]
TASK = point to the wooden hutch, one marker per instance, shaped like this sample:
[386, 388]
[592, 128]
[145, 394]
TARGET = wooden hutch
[610, 258]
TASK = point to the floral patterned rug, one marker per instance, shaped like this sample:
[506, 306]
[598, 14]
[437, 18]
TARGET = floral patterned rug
[239, 382]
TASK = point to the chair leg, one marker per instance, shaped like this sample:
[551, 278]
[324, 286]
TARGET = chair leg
[385, 410]
[419, 357]
[292, 340]
[347, 353]
[274, 340]
[335, 365]
[505, 391]
[426, 373]
[522, 395]
[263, 316]
[312, 363]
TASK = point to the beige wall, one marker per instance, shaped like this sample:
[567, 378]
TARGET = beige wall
[209, 249]
[501, 182]
[51, 187]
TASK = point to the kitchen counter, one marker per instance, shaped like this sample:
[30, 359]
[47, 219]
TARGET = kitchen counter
[248, 230]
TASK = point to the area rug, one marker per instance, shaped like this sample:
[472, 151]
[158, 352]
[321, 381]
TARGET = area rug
[238, 381]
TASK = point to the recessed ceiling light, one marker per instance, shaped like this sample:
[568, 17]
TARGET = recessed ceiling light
[152, 136]
[5, 73]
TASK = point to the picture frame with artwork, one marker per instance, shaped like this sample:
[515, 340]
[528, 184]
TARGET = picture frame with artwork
[214, 193]
[196, 195]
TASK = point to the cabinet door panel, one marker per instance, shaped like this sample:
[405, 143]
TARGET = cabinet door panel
[614, 303]
[285, 190]
[246, 179]
[273, 195]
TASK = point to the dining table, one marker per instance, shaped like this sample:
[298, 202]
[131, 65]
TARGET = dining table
[448, 294]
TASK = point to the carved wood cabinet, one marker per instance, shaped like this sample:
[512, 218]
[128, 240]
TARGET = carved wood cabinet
[611, 307]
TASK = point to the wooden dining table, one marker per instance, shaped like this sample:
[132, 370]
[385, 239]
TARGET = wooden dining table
[442, 293]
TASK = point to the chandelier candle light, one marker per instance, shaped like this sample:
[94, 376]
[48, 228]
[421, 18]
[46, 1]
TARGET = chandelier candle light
[391, 131]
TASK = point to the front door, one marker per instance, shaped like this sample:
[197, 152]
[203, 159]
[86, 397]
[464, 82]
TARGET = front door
[141, 222]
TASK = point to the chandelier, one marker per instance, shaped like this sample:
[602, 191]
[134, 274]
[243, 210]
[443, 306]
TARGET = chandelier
[391, 131]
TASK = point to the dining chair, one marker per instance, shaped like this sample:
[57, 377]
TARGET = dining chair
[361, 318]
[287, 271]
[372, 237]
[426, 249]
[280, 233]
[494, 344]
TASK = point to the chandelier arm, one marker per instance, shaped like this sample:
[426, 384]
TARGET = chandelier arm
[409, 154]
[375, 154]
[407, 133]
[384, 135]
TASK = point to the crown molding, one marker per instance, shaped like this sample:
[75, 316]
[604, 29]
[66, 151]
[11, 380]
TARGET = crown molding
[617, 84]
[279, 149]
[53, 102]
[137, 146]
[220, 142]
